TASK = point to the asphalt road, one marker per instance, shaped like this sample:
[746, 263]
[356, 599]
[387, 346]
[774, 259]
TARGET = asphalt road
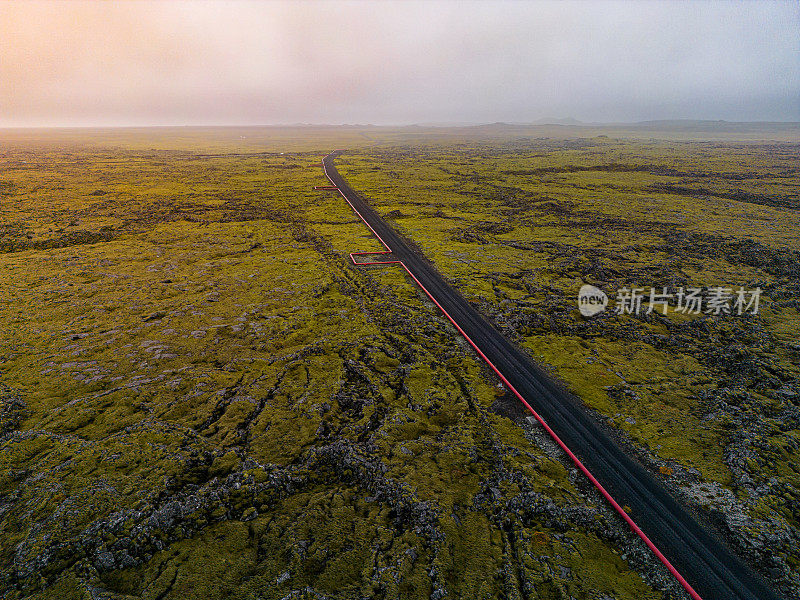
[712, 570]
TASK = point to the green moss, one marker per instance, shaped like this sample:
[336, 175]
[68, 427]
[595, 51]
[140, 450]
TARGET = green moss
[196, 319]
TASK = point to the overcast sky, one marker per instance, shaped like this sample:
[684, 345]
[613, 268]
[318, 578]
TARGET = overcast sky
[183, 63]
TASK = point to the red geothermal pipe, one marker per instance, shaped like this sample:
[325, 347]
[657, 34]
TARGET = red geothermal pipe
[581, 467]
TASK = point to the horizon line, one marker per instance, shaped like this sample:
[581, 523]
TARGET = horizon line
[564, 122]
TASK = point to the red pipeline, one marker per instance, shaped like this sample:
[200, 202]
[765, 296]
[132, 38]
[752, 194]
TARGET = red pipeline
[581, 467]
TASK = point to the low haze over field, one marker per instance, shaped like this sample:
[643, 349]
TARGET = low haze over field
[228, 63]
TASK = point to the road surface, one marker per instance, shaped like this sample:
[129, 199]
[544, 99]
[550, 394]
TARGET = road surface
[707, 565]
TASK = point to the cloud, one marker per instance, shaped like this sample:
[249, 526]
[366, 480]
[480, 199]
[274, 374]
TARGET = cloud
[242, 62]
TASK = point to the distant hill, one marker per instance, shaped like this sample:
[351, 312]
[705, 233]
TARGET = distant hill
[706, 125]
[661, 129]
[557, 121]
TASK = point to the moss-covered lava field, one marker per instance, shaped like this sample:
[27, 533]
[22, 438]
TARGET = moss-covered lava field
[202, 398]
